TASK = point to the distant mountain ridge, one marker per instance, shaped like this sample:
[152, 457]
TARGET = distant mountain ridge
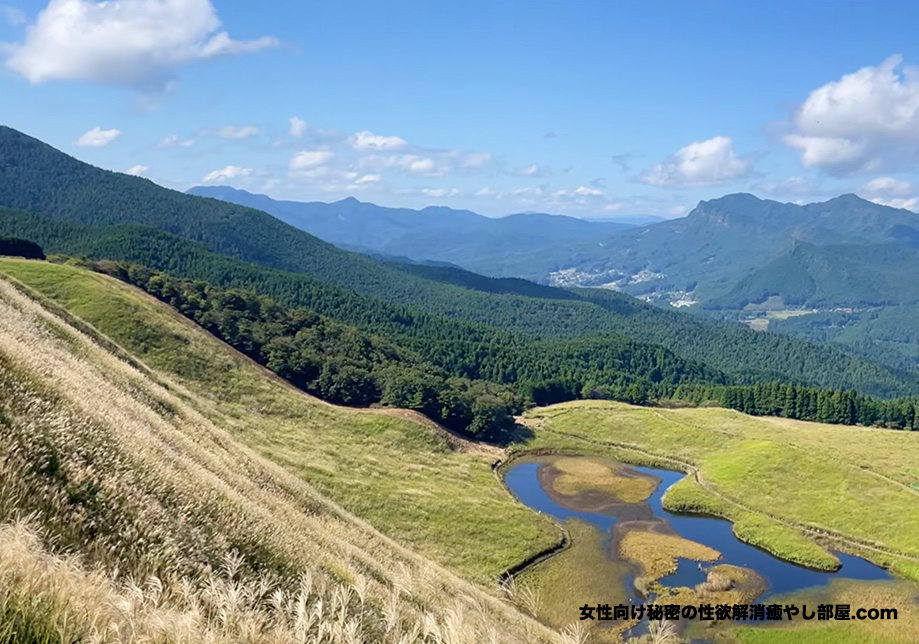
[473, 241]
[724, 239]
[465, 323]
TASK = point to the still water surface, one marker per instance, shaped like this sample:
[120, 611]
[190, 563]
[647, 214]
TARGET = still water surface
[782, 576]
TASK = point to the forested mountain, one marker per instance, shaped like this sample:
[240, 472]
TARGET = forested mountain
[833, 276]
[466, 324]
[722, 240]
[478, 243]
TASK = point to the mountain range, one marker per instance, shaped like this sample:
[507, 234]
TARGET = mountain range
[482, 244]
[831, 266]
[467, 324]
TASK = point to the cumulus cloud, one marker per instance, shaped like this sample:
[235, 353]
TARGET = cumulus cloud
[12, 15]
[702, 163]
[173, 141]
[98, 138]
[137, 43]
[297, 127]
[865, 121]
[440, 193]
[412, 163]
[910, 203]
[580, 191]
[366, 140]
[237, 133]
[888, 186]
[892, 192]
[228, 174]
[306, 160]
[137, 170]
[368, 179]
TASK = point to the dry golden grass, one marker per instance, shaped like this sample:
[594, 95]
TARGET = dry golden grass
[183, 533]
[369, 463]
[586, 474]
[657, 554]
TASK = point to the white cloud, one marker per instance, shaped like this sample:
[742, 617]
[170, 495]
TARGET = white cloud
[907, 203]
[487, 191]
[137, 170]
[237, 133]
[702, 163]
[98, 138]
[475, 160]
[864, 121]
[534, 170]
[173, 141]
[892, 192]
[366, 140]
[580, 191]
[413, 163]
[888, 186]
[138, 43]
[440, 193]
[817, 151]
[369, 179]
[12, 15]
[297, 127]
[228, 173]
[306, 160]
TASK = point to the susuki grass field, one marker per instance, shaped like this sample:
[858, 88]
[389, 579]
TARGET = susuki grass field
[236, 508]
[185, 531]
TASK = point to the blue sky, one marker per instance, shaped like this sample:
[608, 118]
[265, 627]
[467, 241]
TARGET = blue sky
[589, 108]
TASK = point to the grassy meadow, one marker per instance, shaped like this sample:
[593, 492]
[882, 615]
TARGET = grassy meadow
[236, 508]
[142, 509]
[857, 495]
[369, 463]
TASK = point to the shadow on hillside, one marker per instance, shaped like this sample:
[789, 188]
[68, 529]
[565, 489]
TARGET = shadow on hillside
[518, 434]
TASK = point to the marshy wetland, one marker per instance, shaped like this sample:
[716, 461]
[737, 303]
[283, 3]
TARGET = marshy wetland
[626, 547]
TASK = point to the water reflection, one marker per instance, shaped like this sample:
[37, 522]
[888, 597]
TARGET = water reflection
[523, 480]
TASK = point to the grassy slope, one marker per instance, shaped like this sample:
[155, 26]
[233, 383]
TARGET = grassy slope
[117, 464]
[369, 463]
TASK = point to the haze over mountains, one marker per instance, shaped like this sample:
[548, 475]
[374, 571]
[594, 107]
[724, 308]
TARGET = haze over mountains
[830, 271]
[478, 243]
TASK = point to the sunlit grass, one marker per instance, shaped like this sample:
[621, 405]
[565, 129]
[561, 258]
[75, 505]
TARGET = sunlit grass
[370, 463]
[148, 521]
[581, 574]
[658, 554]
[585, 474]
[831, 480]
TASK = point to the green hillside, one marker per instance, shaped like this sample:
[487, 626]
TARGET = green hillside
[157, 486]
[848, 275]
[84, 210]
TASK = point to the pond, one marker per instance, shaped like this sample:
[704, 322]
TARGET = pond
[781, 576]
